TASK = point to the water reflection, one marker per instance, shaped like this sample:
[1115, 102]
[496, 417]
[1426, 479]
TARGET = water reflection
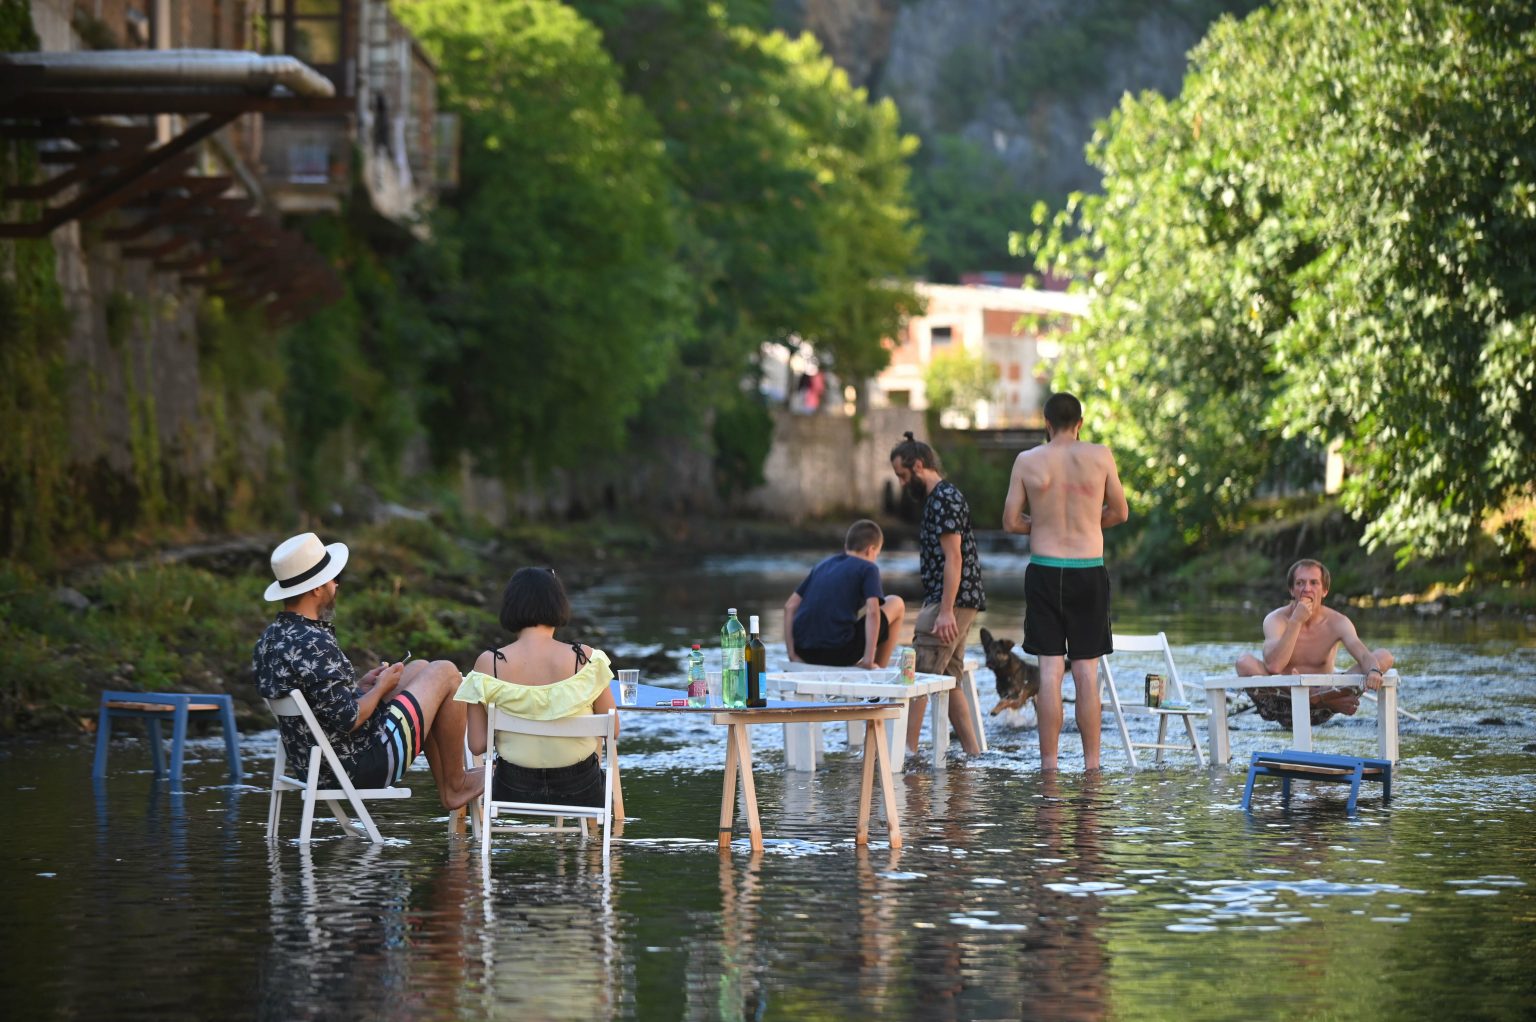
[1016, 896]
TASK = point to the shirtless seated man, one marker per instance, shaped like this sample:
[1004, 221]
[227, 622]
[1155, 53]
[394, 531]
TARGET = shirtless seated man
[1303, 637]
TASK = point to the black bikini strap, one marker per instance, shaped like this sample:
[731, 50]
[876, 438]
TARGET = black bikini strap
[496, 655]
[581, 655]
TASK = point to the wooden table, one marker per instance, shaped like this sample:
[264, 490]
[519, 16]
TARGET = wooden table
[1301, 708]
[738, 756]
[802, 741]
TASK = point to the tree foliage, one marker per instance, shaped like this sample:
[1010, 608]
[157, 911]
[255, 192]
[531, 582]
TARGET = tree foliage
[557, 274]
[957, 381]
[1327, 237]
[792, 185]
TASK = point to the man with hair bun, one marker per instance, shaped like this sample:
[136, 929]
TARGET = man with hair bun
[952, 591]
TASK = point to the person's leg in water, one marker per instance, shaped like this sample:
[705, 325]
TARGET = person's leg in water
[443, 722]
[1048, 710]
[1085, 678]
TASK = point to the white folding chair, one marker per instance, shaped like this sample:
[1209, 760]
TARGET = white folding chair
[603, 726]
[1152, 644]
[294, 705]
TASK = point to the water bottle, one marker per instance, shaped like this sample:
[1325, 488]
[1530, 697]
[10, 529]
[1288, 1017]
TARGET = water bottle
[696, 689]
[733, 662]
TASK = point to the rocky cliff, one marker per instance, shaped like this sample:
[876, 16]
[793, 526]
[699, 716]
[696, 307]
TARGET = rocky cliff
[1018, 83]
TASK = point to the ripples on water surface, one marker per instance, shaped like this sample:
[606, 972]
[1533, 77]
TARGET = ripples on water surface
[1119, 896]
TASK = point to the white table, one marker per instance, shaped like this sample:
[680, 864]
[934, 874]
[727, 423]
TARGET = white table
[802, 742]
[1301, 708]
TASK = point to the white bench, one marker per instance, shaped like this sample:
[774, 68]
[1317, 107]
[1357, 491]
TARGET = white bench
[1301, 708]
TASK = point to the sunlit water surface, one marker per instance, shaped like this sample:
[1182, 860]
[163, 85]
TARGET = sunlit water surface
[1147, 895]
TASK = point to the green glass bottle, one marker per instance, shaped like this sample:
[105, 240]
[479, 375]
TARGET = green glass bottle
[757, 666]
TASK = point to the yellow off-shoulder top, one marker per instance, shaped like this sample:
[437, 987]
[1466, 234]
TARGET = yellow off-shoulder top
[568, 697]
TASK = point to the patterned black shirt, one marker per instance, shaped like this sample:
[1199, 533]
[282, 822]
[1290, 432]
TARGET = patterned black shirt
[297, 653]
[946, 511]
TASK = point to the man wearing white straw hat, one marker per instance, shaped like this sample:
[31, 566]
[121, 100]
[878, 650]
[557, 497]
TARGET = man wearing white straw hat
[377, 724]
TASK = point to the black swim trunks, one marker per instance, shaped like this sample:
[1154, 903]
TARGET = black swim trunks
[850, 652]
[1066, 604]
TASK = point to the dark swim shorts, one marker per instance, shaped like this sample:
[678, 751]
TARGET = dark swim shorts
[850, 652]
[1066, 608]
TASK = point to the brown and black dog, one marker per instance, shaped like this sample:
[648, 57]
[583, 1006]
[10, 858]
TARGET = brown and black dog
[1017, 680]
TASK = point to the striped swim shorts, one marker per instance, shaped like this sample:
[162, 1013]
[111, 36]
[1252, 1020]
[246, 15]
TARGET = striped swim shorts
[385, 764]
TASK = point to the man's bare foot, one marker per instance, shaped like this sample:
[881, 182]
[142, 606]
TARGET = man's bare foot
[468, 791]
[1340, 700]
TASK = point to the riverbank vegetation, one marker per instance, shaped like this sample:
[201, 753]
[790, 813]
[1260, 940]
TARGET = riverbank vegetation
[1326, 241]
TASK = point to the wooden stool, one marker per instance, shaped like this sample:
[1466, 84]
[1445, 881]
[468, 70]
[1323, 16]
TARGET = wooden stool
[1318, 766]
[153, 707]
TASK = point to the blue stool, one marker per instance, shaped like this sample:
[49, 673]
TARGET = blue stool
[1318, 766]
[153, 707]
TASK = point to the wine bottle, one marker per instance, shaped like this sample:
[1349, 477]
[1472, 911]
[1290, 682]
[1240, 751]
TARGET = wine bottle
[757, 665]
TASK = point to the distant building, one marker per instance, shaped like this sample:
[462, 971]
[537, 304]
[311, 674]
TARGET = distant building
[1018, 330]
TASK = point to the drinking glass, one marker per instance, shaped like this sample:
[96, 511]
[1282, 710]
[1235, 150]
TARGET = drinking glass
[712, 688]
[629, 686]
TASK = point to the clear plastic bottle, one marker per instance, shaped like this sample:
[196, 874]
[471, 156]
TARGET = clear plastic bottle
[696, 688]
[733, 662]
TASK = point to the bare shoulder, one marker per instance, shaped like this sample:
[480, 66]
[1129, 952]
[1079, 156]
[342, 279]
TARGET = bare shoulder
[1277, 616]
[484, 661]
[1339, 623]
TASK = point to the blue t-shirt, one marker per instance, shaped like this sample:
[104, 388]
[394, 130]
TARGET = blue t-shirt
[830, 600]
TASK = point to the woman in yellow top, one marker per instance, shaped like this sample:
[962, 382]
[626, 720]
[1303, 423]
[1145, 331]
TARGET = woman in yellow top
[542, 678]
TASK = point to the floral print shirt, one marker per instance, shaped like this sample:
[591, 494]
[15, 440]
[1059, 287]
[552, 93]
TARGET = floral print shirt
[946, 511]
[297, 653]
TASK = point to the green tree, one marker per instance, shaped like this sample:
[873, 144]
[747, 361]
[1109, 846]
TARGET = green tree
[956, 381]
[1328, 235]
[557, 272]
[792, 185]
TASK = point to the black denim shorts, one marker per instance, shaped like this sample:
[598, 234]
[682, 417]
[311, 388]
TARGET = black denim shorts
[580, 784]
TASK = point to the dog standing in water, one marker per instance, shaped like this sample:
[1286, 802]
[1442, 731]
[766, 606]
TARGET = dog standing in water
[1017, 680]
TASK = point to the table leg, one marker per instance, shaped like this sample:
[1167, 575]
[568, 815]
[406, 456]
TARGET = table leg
[748, 787]
[1221, 749]
[1386, 723]
[178, 740]
[1162, 736]
[728, 796]
[887, 790]
[157, 746]
[231, 738]
[866, 781]
[896, 735]
[940, 721]
[1301, 719]
[103, 739]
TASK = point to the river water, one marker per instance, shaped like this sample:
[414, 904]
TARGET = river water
[1120, 895]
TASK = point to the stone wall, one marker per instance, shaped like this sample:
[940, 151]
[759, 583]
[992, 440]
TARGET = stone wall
[826, 465]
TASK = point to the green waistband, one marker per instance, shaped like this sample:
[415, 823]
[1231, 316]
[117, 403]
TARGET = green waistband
[1046, 561]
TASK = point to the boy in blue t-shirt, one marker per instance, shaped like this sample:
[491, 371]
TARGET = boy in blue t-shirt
[839, 616]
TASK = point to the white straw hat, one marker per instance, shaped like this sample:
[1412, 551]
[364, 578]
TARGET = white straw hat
[304, 563]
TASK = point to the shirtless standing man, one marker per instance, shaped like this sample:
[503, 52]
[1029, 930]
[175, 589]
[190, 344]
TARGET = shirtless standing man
[1303, 637]
[1073, 493]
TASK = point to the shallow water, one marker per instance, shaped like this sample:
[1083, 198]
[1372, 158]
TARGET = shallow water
[1120, 895]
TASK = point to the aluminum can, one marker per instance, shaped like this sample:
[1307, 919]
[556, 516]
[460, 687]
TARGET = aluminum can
[908, 667]
[1155, 690]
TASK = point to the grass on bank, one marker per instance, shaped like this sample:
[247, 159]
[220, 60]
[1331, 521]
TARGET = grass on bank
[183, 627]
